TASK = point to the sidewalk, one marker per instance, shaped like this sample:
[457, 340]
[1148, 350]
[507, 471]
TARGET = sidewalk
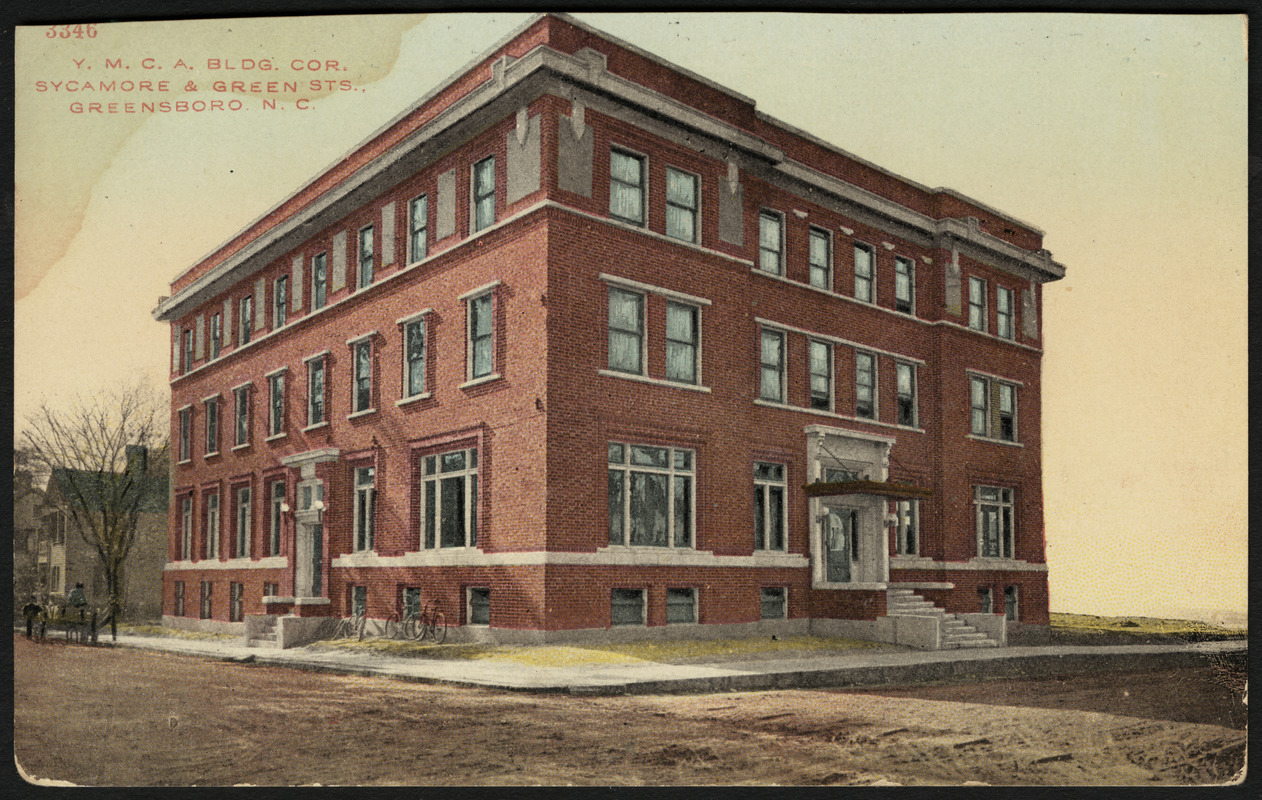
[851, 668]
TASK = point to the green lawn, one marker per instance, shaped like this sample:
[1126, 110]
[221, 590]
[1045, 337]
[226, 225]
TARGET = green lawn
[1141, 626]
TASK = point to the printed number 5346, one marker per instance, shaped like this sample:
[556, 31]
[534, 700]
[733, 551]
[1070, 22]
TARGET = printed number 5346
[70, 32]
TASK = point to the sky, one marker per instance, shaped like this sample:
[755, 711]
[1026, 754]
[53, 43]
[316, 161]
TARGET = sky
[1123, 137]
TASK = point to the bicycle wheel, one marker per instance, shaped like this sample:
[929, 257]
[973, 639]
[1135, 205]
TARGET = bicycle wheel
[411, 630]
[390, 627]
[438, 624]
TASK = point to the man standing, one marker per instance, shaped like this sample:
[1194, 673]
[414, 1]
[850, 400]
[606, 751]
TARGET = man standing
[31, 610]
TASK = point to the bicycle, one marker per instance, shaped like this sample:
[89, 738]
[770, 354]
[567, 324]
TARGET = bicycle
[352, 626]
[432, 624]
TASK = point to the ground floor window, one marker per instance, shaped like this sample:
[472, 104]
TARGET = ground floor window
[236, 593]
[271, 590]
[994, 521]
[206, 609]
[627, 607]
[449, 510]
[650, 495]
[479, 606]
[681, 606]
[770, 510]
[1010, 601]
[908, 513]
[773, 602]
[359, 601]
[986, 599]
[178, 605]
[411, 601]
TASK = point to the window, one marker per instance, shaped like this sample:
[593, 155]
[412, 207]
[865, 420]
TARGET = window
[986, 599]
[681, 205]
[771, 387]
[212, 529]
[418, 222]
[1010, 600]
[771, 242]
[479, 611]
[319, 281]
[216, 334]
[626, 607]
[280, 302]
[626, 187]
[186, 529]
[363, 376]
[276, 517]
[772, 600]
[207, 587]
[626, 331]
[359, 601]
[821, 376]
[994, 408]
[681, 342]
[994, 521]
[241, 400]
[186, 364]
[904, 285]
[481, 353]
[449, 511]
[236, 591]
[411, 602]
[365, 257]
[865, 385]
[977, 304]
[186, 433]
[770, 490]
[414, 368]
[908, 527]
[271, 590]
[1003, 312]
[681, 606]
[245, 516]
[864, 259]
[315, 391]
[906, 378]
[484, 193]
[365, 507]
[212, 426]
[650, 496]
[247, 319]
[178, 609]
[821, 258]
[276, 404]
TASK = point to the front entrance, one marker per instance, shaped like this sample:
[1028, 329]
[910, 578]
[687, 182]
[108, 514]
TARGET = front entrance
[308, 577]
[841, 543]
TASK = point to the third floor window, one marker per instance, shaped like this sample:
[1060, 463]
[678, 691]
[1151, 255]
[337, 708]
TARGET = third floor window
[626, 187]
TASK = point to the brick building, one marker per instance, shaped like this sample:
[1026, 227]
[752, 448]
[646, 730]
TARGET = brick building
[584, 344]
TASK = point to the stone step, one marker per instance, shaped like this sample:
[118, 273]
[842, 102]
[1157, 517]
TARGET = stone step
[970, 644]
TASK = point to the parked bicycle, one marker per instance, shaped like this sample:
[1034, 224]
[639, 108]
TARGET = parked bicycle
[351, 627]
[418, 625]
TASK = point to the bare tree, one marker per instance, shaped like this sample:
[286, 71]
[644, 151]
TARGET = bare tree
[99, 476]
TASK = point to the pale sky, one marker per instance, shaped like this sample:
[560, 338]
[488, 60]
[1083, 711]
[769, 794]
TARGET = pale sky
[1124, 137]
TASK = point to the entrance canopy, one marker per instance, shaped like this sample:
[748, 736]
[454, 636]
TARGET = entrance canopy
[901, 491]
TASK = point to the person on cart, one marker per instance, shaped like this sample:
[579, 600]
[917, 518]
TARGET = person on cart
[77, 599]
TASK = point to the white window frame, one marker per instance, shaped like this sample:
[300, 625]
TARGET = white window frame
[216, 334]
[319, 359]
[693, 212]
[993, 389]
[644, 617]
[784, 602]
[1007, 536]
[694, 605]
[245, 320]
[364, 508]
[186, 351]
[280, 302]
[471, 339]
[276, 403]
[815, 266]
[642, 189]
[432, 474]
[365, 258]
[406, 324]
[319, 281]
[276, 516]
[829, 378]
[875, 385]
[899, 367]
[476, 222]
[977, 316]
[673, 473]
[242, 415]
[212, 422]
[1012, 609]
[243, 526]
[764, 482]
[185, 417]
[865, 284]
[186, 529]
[695, 343]
[362, 345]
[907, 527]
[783, 367]
[910, 273]
[413, 230]
[776, 219]
[212, 524]
[641, 298]
[469, 592]
[1005, 319]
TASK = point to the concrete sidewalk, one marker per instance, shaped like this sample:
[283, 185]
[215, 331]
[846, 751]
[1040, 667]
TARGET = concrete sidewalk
[851, 668]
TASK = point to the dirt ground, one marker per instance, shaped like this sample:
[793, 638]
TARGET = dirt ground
[173, 720]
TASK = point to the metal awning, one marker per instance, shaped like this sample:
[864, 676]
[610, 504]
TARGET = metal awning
[881, 488]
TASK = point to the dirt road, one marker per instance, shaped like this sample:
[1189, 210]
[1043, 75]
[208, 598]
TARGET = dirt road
[124, 717]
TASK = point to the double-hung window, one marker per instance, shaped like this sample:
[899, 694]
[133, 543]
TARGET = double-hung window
[186, 528]
[186, 363]
[212, 529]
[626, 331]
[178, 604]
[418, 226]
[236, 596]
[216, 335]
[772, 602]
[994, 408]
[365, 259]
[479, 605]
[650, 495]
[906, 378]
[484, 193]
[976, 304]
[365, 507]
[821, 363]
[212, 426]
[449, 507]
[864, 262]
[681, 606]
[1003, 313]
[681, 205]
[319, 281]
[241, 416]
[770, 509]
[247, 319]
[186, 433]
[865, 385]
[771, 242]
[280, 302]
[821, 258]
[771, 384]
[994, 508]
[414, 358]
[207, 593]
[245, 516]
[315, 391]
[907, 513]
[481, 336]
[276, 517]
[276, 404]
[682, 342]
[626, 187]
[904, 285]
[362, 353]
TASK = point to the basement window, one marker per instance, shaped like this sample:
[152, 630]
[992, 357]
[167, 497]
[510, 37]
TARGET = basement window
[627, 607]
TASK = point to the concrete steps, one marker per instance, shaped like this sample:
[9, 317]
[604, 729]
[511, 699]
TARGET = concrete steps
[956, 633]
[264, 635]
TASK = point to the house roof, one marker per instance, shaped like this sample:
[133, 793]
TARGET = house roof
[95, 486]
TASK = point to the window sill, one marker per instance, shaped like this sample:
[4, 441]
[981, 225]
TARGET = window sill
[209, 456]
[184, 461]
[363, 413]
[494, 376]
[276, 437]
[1003, 442]
[416, 398]
[316, 426]
[630, 376]
[245, 446]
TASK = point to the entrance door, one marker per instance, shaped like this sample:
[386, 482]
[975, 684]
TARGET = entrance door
[841, 543]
